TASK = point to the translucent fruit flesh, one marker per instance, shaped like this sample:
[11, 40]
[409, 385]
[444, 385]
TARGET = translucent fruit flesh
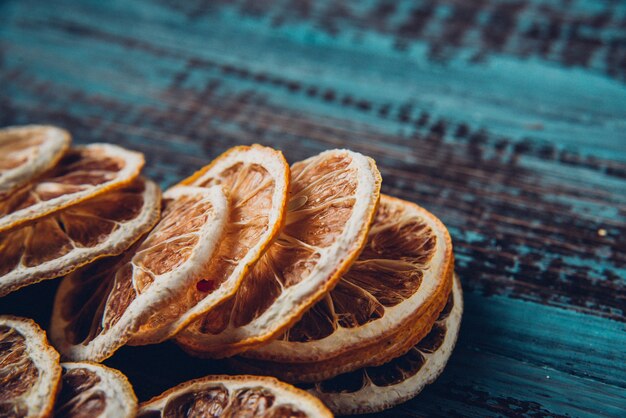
[234, 396]
[97, 309]
[29, 369]
[62, 241]
[373, 389]
[332, 200]
[257, 179]
[28, 151]
[92, 390]
[383, 305]
[81, 174]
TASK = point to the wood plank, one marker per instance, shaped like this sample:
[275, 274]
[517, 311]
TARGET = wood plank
[514, 98]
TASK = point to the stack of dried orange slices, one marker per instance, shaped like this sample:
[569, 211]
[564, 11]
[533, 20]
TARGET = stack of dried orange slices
[62, 207]
[304, 272]
[353, 281]
[35, 384]
[386, 329]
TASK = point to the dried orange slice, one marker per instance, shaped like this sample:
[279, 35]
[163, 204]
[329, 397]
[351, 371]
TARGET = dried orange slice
[382, 306]
[81, 174]
[94, 390]
[62, 241]
[257, 179]
[98, 308]
[373, 389]
[28, 151]
[234, 396]
[29, 369]
[333, 199]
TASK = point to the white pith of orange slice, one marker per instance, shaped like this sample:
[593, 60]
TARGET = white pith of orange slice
[96, 391]
[257, 179]
[381, 307]
[62, 241]
[28, 151]
[98, 308]
[29, 369]
[82, 173]
[373, 389]
[332, 201]
[234, 396]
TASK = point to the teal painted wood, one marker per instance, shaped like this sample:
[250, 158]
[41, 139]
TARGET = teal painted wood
[505, 118]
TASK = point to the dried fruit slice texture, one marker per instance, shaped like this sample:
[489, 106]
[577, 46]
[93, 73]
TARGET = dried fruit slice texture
[332, 201]
[93, 390]
[98, 308]
[382, 306]
[28, 151]
[234, 396]
[64, 240]
[374, 389]
[81, 174]
[29, 369]
[257, 179]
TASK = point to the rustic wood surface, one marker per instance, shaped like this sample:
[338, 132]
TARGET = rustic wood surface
[506, 118]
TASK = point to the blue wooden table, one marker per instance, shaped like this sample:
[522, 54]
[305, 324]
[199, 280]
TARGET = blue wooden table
[506, 118]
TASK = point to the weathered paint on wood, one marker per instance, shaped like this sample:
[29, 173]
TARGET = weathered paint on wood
[505, 118]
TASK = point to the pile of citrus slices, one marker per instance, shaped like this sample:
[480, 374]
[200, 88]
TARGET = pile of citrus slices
[303, 272]
[62, 208]
[35, 384]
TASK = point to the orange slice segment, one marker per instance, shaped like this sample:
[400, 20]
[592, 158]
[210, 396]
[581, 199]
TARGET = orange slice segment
[81, 174]
[29, 369]
[62, 241]
[98, 308]
[381, 307]
[332, 201]
[94, 390]
[373, 389]
[234, 396]
[28, 151]
[258, 180]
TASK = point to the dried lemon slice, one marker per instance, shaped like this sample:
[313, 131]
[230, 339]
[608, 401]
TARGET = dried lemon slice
[332, 201]
[28, 151]
[373, 389]
[93, 390]
[234, 396]
[29, 369]
[381, 307]
[98, 308]
[82, 173]
[257, 179]
[64, 240]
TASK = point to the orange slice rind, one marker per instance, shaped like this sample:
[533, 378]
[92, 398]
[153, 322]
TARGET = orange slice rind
[373, 389]
[332, 201]
[257, 179]
[29, 369]
[28, 151]
[234, 396]
[97, 309]
[62, 241]
[94, 390]
[381, 307]
[81, 174]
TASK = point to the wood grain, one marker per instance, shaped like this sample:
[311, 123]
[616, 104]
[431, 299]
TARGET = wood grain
[507, 119]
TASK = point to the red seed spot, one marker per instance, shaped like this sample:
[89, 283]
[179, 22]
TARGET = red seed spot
[205, 285]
